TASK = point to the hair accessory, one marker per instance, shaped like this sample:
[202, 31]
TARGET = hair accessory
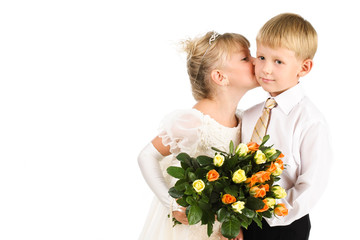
[213, 37]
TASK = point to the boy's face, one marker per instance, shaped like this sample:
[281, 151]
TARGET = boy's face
[277, 69]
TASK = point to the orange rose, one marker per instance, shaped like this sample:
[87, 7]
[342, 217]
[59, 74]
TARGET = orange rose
[259, 177]
[262, 176]
[259, 191]
[212, 175]
[272, 168]
[253, 146]
[228, 199]
[281, 156]
[265, 208]
[280, 163]
[251, 180]
[281, 210]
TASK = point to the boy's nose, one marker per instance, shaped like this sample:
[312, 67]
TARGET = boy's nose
[267, 68]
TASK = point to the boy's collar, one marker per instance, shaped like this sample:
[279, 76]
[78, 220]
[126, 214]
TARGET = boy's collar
[287, 100]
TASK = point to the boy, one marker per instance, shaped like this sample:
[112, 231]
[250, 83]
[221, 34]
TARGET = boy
[286, 45]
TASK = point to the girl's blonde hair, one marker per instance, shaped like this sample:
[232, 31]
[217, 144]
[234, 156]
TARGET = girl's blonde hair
[292, 32]
[204, 55]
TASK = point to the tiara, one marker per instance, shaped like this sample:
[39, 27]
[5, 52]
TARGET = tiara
[211, 40]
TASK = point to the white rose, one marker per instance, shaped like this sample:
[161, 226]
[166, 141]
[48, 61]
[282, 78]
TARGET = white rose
[238, 206]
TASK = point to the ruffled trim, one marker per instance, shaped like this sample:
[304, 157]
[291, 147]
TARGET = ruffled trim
[181, 131]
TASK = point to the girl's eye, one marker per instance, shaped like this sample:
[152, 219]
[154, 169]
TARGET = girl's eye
[278, 62]
[261, 58]
[245, 59]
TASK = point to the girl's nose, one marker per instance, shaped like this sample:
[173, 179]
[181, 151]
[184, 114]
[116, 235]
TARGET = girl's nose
[252, 60]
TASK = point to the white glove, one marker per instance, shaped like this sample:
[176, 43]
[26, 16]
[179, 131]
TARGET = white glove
[148, 160]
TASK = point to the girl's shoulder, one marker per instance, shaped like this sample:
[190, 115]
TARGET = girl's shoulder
[188, 118]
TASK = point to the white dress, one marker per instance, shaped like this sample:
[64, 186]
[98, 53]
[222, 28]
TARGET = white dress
[192, 132]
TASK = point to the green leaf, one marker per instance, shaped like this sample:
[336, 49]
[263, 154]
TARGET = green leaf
[265, 139]
[182, 202]
[180, 185]
[254, 203]
[183, 157]
[241, 194]
[275, 156]
[204, 160]
[218, 150]
[232, 190]
[231, 147]
[194, 214]
[210, 229]
[231, 162]
[189, 189]
[248, 213]
[194, 163]
[176, 172]
[207, 217]
[258, 219]
[173, 192]
[190, 200]
[192, 176]
[230, 228]
[201, 173]
[223, 214]
[267, 214]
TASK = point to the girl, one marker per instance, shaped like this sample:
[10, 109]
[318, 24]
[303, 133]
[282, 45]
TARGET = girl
[221, 71]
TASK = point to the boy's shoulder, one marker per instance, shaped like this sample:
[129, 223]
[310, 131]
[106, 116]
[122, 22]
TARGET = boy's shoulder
[307, 109]
[254, 109]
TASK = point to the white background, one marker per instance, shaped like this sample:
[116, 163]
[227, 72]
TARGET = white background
[85, 84]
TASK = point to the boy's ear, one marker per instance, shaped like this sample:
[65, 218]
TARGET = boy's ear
[219, 77]
[305, 67]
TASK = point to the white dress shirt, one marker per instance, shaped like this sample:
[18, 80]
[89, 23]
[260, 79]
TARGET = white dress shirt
[300, 132]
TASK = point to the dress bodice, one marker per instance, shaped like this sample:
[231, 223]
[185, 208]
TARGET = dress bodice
[195, 133]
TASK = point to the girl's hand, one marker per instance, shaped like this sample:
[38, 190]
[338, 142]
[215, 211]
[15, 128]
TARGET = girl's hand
[239, 237]
[181, 216]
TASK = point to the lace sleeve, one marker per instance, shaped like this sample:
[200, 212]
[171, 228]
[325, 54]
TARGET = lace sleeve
[181, 130]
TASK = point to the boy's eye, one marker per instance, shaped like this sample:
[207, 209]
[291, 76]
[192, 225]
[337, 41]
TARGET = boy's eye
[278, 62]
[245, 59]
[261, 58]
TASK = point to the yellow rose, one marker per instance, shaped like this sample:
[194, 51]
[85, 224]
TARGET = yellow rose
[279, 192]
[260, 157]
[239, 176]
[219, 160]
[238, 206]
[270, 202]
[270, 152]
[278, 170]
[242, 149]
[198, 185]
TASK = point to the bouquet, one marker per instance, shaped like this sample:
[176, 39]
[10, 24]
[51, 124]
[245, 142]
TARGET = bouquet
[235, 188]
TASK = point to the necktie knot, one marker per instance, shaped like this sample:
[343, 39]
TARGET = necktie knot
[270, 103]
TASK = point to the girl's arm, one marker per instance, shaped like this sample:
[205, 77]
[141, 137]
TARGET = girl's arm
[148, 160]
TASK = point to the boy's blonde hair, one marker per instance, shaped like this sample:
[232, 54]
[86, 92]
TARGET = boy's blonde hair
[203, 57]
[292, 32]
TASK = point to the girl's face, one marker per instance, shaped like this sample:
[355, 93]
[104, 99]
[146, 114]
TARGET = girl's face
[239, 69]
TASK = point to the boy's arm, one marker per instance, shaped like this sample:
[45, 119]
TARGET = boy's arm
[315, 162]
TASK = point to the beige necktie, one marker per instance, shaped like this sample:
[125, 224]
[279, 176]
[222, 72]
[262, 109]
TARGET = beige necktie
[262, 123]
